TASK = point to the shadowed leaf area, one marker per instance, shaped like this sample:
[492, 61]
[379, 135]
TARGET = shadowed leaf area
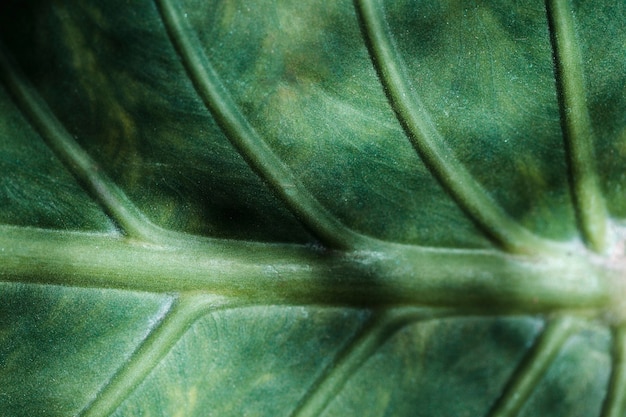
[311, 208]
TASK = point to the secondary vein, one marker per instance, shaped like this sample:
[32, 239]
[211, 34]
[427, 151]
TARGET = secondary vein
[362, 346]
[89, 174]
[184, 312]
[533, 367]
[615, 401]
[244, 137]
[429, 143]
[576, 123]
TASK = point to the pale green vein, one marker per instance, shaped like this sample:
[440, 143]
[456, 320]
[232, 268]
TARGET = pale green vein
[428, 142]
[533, 367]
[615, 402]
[298, 274]
[184, 312]
[133, 223]
[362, 346]
[576, 122]
[244, 137]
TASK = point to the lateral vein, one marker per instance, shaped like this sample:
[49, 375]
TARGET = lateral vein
[183, 313]
[310, 212]
[615, 401]
[576, 124]
[428, 142]
[362, 346]
[89, 174]
[533, 367]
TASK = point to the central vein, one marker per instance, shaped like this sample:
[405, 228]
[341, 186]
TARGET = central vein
[291, 274]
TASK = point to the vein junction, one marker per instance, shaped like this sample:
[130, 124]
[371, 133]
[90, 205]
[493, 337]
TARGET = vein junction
[387, 273]
[390, 275]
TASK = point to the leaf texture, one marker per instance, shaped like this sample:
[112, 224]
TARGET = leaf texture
[347, 208]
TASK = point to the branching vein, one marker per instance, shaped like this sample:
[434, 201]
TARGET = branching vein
[184, 312]
[133, 223]
[533, 367]
[244, 137]
[364, 344]
[275, 274]
[429, 143]
[576, 122]
[615, 402]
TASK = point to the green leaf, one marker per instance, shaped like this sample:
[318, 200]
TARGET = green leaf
[362, 208]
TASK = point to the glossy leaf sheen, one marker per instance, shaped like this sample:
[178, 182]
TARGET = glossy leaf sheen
[362, 208]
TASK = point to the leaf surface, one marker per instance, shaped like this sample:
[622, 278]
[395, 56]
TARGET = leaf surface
[298, 209]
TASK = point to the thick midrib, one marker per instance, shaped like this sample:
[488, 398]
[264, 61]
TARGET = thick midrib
[291, 274]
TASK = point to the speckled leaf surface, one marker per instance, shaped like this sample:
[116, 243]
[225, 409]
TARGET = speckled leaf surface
[312, 208]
